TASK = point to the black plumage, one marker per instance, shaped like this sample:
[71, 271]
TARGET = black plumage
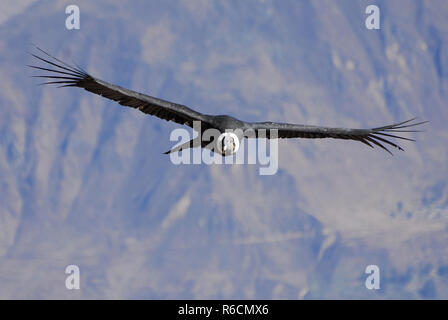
[59, 72]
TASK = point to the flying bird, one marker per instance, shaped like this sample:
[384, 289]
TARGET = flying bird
[65, 75]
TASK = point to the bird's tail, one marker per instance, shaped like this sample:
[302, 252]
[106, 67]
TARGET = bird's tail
[193, 143]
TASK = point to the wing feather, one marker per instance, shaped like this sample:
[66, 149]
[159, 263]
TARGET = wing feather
[69, 76]
[375, 136]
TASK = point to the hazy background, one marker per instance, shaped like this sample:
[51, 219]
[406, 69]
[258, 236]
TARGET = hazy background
[83, 180]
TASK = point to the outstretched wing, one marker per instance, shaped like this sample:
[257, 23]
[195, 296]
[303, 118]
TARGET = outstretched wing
[61, 73]
[380, 136]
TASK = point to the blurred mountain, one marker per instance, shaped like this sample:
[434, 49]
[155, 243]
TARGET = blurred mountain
[84, 180]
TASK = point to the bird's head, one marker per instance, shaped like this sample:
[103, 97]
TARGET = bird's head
[228, 143]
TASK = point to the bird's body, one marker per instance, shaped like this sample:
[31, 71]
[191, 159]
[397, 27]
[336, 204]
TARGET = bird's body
[69, 76]
[225, 122]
